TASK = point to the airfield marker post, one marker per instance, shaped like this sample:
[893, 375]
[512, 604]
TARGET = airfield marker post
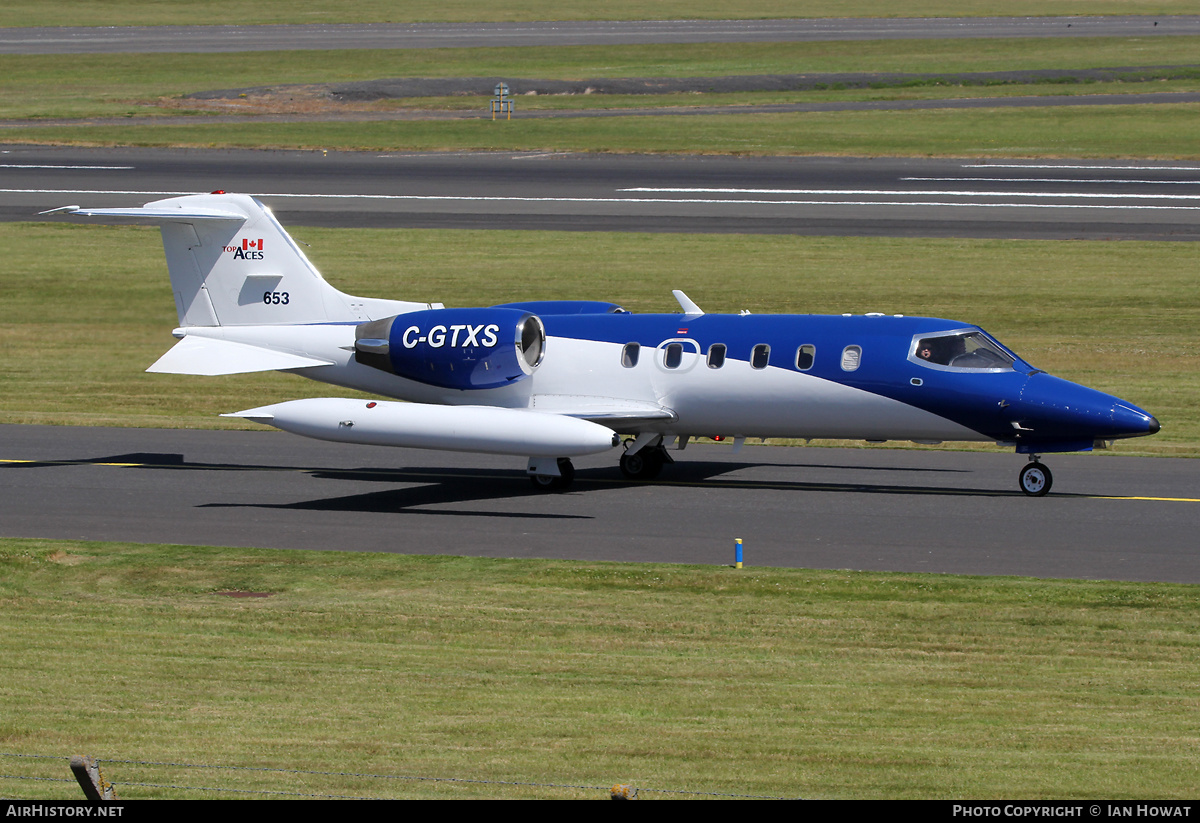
[502, 102]
[737, 553]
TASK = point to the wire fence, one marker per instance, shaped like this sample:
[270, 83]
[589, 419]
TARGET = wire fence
[111, 765]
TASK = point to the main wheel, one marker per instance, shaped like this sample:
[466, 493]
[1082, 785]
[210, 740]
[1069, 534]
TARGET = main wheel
[644, 465]
[548, 483]
[1035, 480]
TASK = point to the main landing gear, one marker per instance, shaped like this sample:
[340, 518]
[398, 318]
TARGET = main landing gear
[644, 464]
[550, 483]
[1035, 479]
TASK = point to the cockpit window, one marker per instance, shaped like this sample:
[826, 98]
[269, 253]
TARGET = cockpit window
[961, 350]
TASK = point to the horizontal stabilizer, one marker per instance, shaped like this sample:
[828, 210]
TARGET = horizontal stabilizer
[208, 356]
[153, 213]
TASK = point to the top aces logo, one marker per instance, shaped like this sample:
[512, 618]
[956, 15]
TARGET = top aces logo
[249, 250]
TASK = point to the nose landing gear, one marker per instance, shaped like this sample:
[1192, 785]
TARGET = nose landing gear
[1035, 479]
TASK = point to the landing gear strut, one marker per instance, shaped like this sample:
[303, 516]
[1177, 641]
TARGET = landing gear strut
[549, 483]
[644, 464]
[1035, 479]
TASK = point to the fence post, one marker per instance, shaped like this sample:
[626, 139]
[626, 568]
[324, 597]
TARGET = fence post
[87, 772]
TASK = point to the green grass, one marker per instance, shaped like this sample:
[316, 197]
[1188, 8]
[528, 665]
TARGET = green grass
[639, 103]
[761, 681]
[85, 309]
[1164, 131]
[134, 87]
[156, 12]
[41, 86]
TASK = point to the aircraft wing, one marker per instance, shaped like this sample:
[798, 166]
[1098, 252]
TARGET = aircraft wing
[208, 356]
[606, 410]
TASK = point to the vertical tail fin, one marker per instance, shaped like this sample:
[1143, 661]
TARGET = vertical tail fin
[232, 264]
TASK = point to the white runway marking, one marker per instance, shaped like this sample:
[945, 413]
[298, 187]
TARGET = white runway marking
[907, 198]
[1047, 180]
[922, 193]
[1076, 166]
[40, 166]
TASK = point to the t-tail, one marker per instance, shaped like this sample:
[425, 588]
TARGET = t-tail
[232, 264]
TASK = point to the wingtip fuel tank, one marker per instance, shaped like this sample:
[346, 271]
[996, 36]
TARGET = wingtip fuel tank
[485, 429]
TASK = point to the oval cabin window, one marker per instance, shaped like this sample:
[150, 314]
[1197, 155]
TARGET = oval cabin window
[673, 355]
[629, 355]
[851, 358]
[805, 356]
[760, 356]
[716, 355]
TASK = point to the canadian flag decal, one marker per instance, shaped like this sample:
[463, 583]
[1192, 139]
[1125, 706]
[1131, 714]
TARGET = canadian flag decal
[249, 250]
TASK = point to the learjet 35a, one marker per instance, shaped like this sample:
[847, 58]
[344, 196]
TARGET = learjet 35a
[552, 380]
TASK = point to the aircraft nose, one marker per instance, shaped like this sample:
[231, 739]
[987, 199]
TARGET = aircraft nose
[1132, 421]
[1056, 408]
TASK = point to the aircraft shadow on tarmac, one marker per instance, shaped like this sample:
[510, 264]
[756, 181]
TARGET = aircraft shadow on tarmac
[422, 487]
[439, 489]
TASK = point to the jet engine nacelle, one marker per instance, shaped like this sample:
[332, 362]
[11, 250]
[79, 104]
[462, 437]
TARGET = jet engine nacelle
[454, 348]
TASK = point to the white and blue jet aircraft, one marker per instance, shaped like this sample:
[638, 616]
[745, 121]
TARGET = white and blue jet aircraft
[552, 380]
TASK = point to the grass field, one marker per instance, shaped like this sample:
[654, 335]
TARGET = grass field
[1158, 131]
[140, 88]
[54, 86]
[80, 325]
[753, 682]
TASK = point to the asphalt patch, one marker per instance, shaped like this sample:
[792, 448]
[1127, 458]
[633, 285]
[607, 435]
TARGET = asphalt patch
[410, 87]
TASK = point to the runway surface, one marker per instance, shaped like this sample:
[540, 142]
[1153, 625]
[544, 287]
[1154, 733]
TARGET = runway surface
[503, 190]
[176, 39]
[920, 511]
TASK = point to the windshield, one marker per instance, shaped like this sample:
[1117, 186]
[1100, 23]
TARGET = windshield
[960, 350]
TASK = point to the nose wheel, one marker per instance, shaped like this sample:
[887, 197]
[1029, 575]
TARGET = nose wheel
[1035, 479]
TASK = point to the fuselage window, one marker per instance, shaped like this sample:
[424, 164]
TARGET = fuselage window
[851, 357]
[716, 355]
[673, 355]
[804, 357]
[629, 355]
[760, 356]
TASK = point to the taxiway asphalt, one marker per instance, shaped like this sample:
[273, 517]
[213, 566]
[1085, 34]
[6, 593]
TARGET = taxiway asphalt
[244, 38]
[1108, 517]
